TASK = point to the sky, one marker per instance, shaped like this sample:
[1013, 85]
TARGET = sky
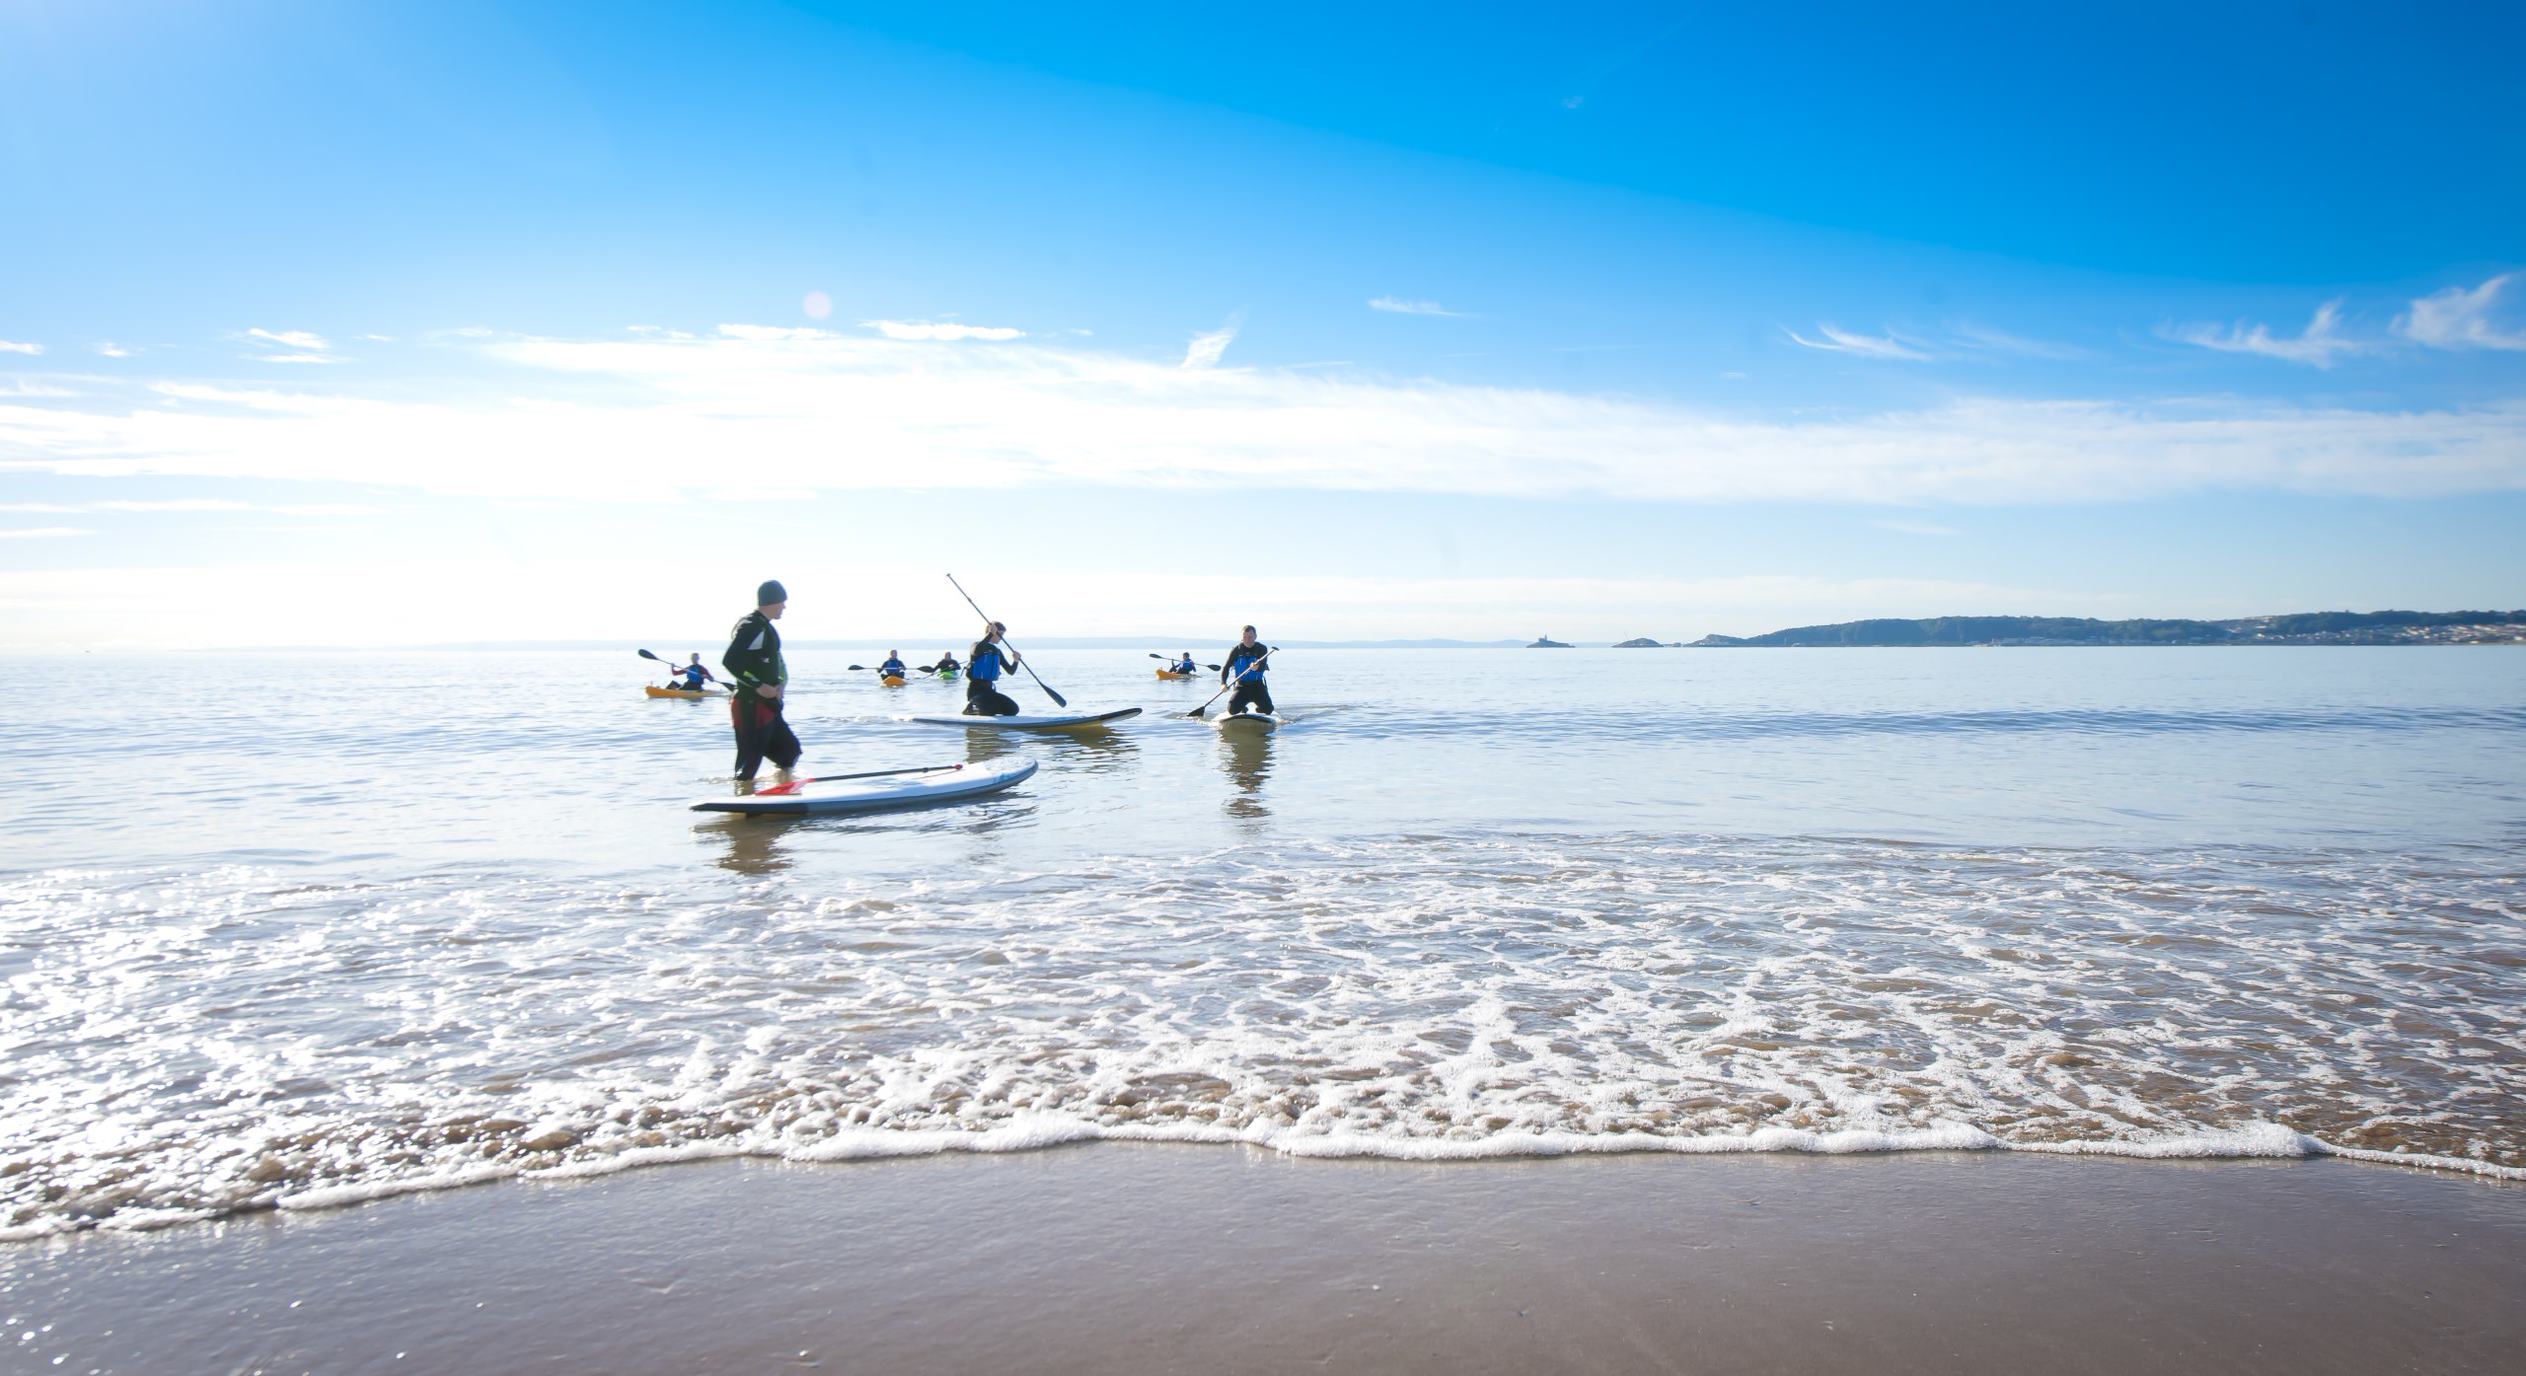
[415, 323]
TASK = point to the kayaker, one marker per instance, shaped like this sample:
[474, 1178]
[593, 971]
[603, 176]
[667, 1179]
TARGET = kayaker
[1245, 668]
[988, 659]
[1187, 667]
[694, 674]
[893, 667]
[760, 677]
[947, 663]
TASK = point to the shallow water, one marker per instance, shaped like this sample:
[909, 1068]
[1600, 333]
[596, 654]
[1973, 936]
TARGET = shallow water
[297, 929]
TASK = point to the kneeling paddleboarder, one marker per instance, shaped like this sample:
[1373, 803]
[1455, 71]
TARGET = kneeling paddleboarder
[1245, 668]
[760, 676]
[984, 664]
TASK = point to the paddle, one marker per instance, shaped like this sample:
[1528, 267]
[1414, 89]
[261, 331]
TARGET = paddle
[987, 624]
[707, 675]
[1170, 659]
[1230, 687]
[792, 786]
[880, 669]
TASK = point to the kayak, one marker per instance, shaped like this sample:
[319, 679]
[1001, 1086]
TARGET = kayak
[1248, 723]
[947, 675]
[947, 784]
[892, 680]
[1036, 721]
[1170, 673]
[655, 691]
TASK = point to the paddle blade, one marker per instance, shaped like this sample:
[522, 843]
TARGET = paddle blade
[1058, 699]
[646, 655]
[777, 790]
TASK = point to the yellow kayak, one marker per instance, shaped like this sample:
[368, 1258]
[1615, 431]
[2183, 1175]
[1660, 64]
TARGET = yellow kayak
[1170, 673]
[892, 680]
[655, 691]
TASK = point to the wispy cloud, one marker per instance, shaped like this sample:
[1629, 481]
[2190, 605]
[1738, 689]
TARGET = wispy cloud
[44, 533]
[107, 348]
[190, 505]
[1843, 341]
[941, 330]
[2460, 319]
[1985, 339]
[300, 340]
[2317, 346]
[12, 346]
[840, 412]
[1205, 350]
[1393, 305]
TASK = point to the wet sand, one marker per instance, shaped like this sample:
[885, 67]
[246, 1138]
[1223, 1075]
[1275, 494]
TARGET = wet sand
[1120, 1258]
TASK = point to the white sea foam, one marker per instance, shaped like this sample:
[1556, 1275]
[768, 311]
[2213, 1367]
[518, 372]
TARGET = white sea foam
[189, 1043]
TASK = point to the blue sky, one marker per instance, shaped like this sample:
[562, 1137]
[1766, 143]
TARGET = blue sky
[384, 323]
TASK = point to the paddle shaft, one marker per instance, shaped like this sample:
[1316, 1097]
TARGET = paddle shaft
[988, 623]
[837, 778]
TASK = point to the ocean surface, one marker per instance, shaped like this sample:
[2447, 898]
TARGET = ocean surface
[294, 930]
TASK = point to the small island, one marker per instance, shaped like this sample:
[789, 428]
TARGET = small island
[2304, 628]
[1642, 643]
[1545, 642]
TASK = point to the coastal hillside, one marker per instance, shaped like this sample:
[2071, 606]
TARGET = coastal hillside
[2303, 628]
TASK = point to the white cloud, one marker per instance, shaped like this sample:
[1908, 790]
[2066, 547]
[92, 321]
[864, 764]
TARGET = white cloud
[1396, 306]
[297, 358]
[833, 412]
[107, 348]
[1866, 346]
[2317, 346]
[941, 329]
[2459, 319]
[1205, 349]
[38, 508]
[11, 346]
[43, 533]
[300, 340]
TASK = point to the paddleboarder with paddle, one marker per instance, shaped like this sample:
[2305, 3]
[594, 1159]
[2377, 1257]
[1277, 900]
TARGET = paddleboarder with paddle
[760, 676]
[1245, 668]
[989, 658]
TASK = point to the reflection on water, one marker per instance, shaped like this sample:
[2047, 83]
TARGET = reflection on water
[751, 845]
[1248, 756]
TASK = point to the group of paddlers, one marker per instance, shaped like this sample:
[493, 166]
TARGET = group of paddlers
[758, 676]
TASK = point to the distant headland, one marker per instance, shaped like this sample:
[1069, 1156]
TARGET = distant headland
[2302, 628]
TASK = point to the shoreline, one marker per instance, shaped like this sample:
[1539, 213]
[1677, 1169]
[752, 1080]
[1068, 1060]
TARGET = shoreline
[1113, 1256]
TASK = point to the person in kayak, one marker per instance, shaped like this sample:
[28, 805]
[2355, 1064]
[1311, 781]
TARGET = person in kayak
[694, 675]
[760, 677]
[893, 667]
[1245, 668]
[988, 659]
[1186, 666]
[947, 663]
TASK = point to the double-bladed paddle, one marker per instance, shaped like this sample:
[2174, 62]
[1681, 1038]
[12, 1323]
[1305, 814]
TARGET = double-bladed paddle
[987, 624]
[671, 664]
[792, 786]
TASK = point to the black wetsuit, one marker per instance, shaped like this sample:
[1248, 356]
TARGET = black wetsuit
[983, 666]
[754, 659]
[1251, 692]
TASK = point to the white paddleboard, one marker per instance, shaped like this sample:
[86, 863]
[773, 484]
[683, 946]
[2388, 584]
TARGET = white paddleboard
[1034, 721]
[876, 795]
[1249, 723]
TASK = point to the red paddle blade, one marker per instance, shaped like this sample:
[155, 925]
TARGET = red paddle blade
[777, 790]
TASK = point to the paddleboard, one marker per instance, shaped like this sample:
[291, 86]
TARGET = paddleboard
[1034, 721]
[878, 795]
[1251, 723]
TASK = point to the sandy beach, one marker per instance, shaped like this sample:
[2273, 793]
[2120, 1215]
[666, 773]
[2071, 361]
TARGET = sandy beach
[1124, 1258]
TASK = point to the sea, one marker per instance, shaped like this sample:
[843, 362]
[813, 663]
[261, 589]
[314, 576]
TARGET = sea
[295, 930]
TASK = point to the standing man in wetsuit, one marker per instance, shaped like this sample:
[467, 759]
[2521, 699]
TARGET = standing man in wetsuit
[983, 666]
[1245, 668]
[760, 676]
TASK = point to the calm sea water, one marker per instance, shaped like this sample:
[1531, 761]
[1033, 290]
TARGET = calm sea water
[300, 929]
